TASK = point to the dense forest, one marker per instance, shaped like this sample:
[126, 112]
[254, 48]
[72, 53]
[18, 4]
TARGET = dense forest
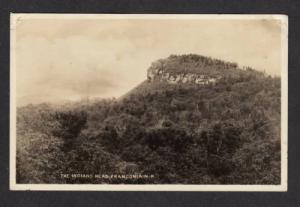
[222, 133]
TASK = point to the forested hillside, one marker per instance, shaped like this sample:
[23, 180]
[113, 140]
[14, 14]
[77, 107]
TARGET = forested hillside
[227, 132]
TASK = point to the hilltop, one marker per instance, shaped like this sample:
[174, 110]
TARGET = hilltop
[182, 131]
[192, 66]
[191, 70]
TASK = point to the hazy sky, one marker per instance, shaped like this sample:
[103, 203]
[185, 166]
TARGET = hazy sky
[68, 59]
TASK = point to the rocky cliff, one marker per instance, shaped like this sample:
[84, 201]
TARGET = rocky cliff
[161, 75]
[190, 68]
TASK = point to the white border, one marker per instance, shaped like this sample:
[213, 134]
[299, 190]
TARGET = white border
[148, 187]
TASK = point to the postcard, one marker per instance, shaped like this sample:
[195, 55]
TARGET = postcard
[148, 102]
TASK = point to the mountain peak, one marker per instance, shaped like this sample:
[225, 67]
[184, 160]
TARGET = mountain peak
[190, 68]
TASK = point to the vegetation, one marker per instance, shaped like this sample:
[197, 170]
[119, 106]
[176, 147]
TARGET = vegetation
[227, 133]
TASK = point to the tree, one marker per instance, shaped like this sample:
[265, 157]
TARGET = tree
[70, 124]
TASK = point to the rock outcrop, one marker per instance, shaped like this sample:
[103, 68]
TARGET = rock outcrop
[186, 69]
[161, 75]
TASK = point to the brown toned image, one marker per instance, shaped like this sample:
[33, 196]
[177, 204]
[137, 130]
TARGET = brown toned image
[148, 102]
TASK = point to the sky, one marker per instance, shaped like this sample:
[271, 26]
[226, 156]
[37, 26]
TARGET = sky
[63, 59]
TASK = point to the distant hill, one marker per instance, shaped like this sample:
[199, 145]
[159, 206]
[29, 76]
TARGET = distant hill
[206, 122]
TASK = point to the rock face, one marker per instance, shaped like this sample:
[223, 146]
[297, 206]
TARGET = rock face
[180, 77]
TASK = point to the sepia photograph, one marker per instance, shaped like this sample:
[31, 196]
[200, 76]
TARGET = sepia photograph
[140, 102]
